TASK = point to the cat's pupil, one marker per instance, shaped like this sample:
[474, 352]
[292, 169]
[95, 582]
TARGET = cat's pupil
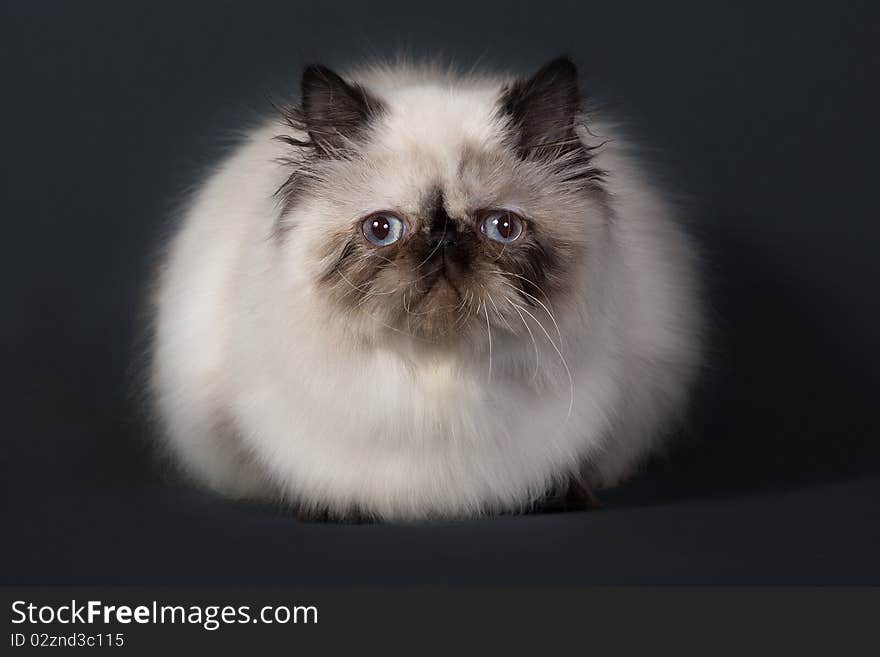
[381, 228]
[504, 226]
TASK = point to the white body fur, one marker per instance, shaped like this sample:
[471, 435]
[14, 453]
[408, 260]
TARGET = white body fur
[264, 394]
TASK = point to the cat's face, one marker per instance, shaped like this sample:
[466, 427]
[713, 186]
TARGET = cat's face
[434, 211]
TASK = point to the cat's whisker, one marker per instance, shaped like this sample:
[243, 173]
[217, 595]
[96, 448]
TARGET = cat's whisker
[530, 282]
[489, 331]
[474, 308]
[359, 288]
[546, 310]
[373, 254]
[534, 342]
[416, 280]
[501, 253]
[561, 358]
[372, 294]
[463, 316]
[498, 312]
[397, 330]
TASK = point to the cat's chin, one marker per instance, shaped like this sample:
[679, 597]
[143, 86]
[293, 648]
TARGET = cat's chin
[442, 328]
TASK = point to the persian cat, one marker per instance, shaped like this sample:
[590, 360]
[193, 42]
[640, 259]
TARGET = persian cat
[425, 295]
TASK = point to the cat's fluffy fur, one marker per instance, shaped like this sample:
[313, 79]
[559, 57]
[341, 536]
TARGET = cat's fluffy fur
[293, 361]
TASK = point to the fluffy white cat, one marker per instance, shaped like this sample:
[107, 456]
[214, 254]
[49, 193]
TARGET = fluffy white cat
[422, 295]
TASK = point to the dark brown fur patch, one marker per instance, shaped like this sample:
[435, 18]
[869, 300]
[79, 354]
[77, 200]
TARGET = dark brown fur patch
[435, 279]
[334, 112]
[334, 115]
[544, 111]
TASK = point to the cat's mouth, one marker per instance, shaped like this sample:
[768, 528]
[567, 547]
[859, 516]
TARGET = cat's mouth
[441, 288]
[437, 311]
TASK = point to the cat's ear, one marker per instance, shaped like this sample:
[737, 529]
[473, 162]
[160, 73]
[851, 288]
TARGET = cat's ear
[543, 109]
[334, 111]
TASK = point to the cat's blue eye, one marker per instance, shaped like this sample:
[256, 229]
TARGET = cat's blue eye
[383, 228]
[502, 226]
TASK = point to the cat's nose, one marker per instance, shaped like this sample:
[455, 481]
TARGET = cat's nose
[444, 240]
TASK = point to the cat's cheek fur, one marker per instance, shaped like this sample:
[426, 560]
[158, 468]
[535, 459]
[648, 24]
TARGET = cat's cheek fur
[267, 391]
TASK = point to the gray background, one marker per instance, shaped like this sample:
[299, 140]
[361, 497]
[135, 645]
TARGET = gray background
[763, 119]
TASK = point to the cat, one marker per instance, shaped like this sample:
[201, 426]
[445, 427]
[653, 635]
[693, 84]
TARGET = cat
[416, 294]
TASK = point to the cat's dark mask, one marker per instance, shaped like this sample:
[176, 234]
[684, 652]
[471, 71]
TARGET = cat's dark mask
[429, 209]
